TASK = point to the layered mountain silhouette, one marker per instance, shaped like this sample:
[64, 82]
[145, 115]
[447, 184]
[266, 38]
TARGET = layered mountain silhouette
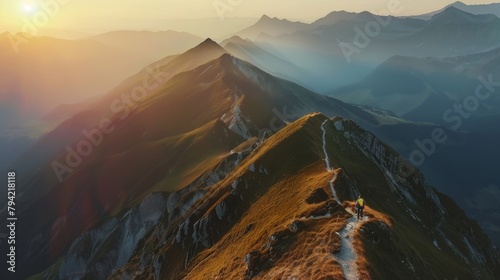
[484, 9]
[424, 88]
[212, 172]
[464, 33]
[348, 46]
[271, 26]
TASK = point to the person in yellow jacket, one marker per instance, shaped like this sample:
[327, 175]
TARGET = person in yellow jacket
[360, 205]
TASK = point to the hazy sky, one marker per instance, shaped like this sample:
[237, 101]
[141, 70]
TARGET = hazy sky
[126, 14]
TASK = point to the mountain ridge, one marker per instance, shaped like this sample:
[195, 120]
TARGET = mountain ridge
[456, 15]
[477, 9]
[271, 26]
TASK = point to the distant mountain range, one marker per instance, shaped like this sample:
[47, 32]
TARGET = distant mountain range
[455, 32]
[339, 46]
[272, 27]
[481, 9]
[433, 90]
[416, 84]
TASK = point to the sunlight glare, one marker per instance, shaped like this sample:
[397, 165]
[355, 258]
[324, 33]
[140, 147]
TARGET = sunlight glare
[28, 7]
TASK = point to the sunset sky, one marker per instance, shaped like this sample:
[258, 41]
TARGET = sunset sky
[129, 14]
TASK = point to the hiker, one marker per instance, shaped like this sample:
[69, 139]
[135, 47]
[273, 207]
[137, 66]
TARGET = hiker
[360, 205]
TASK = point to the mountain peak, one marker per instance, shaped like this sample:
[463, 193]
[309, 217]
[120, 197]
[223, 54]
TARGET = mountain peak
[458, 3]
[365, 13]
[265, 17]
[235, 39]
[452, 14]
[265, 20]
[335, 17]
[452, 9]
[209, 41]
[207, 45]
[271, 26]
[315, 115]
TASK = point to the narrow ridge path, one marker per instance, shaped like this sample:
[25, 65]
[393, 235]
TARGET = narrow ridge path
[327, 162]
[347, 256]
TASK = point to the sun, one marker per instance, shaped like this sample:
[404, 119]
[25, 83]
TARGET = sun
[28, 7]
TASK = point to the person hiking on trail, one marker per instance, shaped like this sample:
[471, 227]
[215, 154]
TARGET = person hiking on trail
[360, 205]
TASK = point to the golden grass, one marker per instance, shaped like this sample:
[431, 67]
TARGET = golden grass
[306, 253]
[284, 203]
[311, 257]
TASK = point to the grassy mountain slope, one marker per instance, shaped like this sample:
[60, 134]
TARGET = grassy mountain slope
[272, 219]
